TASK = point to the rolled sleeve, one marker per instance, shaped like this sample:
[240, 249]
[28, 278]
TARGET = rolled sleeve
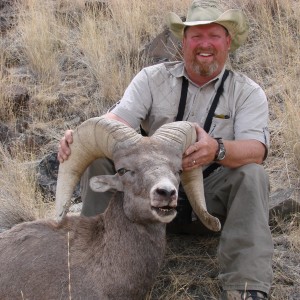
[251, 121]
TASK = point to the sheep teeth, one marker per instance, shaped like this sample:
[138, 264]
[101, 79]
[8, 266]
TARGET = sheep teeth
[164, 209]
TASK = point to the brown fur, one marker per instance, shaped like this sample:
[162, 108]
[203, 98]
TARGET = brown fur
[34, 258]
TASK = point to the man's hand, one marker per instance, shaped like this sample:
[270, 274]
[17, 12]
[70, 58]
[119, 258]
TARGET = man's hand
[238, 152]
[202, 152]
[64, 150]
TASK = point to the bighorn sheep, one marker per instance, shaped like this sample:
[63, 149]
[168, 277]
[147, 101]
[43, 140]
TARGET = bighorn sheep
[117, 254]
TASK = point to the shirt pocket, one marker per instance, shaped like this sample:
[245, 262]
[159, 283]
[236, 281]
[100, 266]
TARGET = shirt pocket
[222, 126]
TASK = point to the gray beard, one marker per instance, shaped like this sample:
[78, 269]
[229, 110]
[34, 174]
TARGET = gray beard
[204, 70]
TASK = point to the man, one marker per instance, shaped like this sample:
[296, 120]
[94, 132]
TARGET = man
[236, 138]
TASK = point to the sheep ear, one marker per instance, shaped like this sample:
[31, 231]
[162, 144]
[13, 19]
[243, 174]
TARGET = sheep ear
[103, 183]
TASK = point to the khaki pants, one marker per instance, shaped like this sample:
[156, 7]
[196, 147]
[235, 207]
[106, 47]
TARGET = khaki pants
[238, 196]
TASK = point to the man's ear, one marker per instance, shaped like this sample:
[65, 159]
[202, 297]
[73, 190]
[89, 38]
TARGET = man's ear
[229, 41]
[103, 183]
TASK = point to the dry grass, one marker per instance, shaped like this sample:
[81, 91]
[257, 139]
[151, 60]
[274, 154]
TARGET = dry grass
[272, 59]
[76, 62]
[18, 184]
[39, 35]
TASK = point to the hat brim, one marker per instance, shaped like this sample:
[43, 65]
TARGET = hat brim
[233, 20]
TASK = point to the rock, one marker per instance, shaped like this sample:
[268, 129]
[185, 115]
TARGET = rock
[75, 208]
[8, 15]
[47, 171]
[19, 97]
[282, 204]
[5, 133]
[99, 6]
[164, 47]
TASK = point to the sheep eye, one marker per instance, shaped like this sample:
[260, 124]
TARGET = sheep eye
[180, 172]
[122, 171]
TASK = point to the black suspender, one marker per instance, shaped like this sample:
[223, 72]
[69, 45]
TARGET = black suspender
[210, 114]
[183, 96]
[215, 102]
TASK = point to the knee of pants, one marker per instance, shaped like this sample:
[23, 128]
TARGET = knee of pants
[254, 173]
[253, 183]
[241, 185]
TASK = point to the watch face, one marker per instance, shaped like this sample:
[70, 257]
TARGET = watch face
[221, 154]
[222, 151]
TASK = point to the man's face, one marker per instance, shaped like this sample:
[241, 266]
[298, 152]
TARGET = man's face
[205, 49]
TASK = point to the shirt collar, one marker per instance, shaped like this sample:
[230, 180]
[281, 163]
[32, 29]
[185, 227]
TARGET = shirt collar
[178, 70]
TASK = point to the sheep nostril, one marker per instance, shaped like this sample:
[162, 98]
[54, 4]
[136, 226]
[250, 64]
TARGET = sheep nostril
[165, 192]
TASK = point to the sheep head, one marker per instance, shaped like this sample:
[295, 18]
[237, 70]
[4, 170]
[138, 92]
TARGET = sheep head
[148, 168]
[148, 178]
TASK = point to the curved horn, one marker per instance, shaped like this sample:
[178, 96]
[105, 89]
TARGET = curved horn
[94, 138]
[183, 134]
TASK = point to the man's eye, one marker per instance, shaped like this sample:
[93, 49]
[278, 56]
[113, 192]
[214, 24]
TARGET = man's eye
[122, 171]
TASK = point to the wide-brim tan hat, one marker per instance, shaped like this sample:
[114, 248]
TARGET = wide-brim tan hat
[202, 12]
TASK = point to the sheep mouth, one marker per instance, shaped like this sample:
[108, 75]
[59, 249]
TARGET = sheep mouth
[164, 211]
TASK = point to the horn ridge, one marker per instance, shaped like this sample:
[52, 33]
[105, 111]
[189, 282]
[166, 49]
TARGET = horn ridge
[94, 138]
[181, 132]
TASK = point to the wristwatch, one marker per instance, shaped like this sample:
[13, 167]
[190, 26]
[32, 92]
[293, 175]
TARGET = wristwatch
[221, 152]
